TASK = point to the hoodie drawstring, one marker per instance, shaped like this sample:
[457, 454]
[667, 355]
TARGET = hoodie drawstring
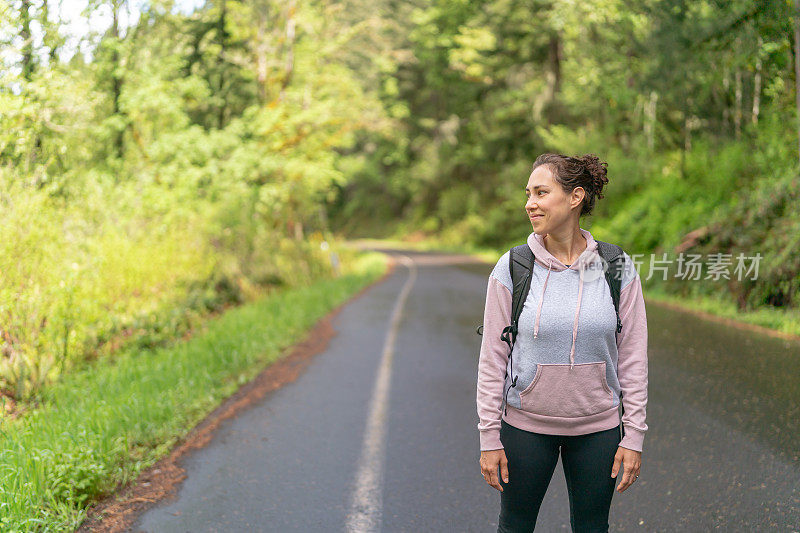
[577, 313]
[575, 323]
[541, 300]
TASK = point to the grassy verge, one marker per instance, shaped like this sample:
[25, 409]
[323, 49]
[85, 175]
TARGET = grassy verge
[100, 427]
[784, 323]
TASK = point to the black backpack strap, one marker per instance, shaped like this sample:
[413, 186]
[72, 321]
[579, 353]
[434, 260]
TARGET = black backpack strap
[520, 264]
[613, 255]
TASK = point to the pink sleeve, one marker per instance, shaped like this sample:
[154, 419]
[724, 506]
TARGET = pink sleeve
[492, 364]
[632, 364]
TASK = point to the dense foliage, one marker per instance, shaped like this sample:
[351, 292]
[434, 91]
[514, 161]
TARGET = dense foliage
[180, 167]
[184, 162]
[691, 103]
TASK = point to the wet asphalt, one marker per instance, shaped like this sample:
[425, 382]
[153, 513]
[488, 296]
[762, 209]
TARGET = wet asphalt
[721, 452]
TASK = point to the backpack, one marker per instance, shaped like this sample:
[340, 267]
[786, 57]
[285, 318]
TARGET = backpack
[520, 264]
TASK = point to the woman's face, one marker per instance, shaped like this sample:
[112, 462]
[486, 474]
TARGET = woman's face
[548, 206]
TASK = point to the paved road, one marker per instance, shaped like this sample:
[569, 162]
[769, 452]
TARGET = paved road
[379, 433]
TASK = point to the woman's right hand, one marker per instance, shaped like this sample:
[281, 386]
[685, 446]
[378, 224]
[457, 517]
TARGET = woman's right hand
[494, 462]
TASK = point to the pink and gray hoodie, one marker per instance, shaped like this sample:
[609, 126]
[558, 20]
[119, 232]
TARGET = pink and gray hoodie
[570, 362]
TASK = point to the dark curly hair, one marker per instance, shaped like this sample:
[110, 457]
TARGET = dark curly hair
[587, 171]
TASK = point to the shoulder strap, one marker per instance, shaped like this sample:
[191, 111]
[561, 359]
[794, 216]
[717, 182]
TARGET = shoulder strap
[612, 254]
[520, 263]
[521, 266]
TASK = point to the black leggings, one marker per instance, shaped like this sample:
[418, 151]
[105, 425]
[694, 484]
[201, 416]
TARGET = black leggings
[532, 458]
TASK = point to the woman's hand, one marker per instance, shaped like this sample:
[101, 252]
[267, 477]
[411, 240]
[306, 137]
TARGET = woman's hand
[632, 461]
[493, 465]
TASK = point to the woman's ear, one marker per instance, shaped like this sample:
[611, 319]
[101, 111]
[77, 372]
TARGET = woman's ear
[578, 194]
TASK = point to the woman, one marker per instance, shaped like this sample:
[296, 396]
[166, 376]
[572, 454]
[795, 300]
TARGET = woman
[569, 362]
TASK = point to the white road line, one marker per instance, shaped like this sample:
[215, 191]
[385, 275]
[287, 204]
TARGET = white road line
[366, 501]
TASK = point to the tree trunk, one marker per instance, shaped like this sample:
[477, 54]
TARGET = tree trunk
[290, 30]
[650, 120]
[726, 112]
[27, 40]
[554, 53]
[261, 52]
[757, 83]
[737, 111]
[28, 67]
[221, 63]
[52, 39]
[687, 133]
[116, 77]
[684, 144]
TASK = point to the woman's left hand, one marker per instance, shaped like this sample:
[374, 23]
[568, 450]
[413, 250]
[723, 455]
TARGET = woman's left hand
[632, 461]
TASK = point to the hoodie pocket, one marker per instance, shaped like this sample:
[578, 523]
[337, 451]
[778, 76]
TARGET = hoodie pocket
[557, 390]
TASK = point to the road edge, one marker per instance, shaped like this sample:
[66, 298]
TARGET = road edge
[161, 481]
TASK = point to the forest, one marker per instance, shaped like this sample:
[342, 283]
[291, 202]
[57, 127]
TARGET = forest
[189, 159]
[171, 161]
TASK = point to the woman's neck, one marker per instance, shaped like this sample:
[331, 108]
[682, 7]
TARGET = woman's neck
[566, 249]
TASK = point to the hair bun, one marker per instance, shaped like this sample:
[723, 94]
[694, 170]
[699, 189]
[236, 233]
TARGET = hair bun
[597, 169]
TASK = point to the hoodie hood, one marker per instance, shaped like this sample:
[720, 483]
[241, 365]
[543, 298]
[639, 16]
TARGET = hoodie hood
[547, 260]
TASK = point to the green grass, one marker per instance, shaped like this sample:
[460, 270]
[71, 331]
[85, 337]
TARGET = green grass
[775, 319]
[100, 427]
